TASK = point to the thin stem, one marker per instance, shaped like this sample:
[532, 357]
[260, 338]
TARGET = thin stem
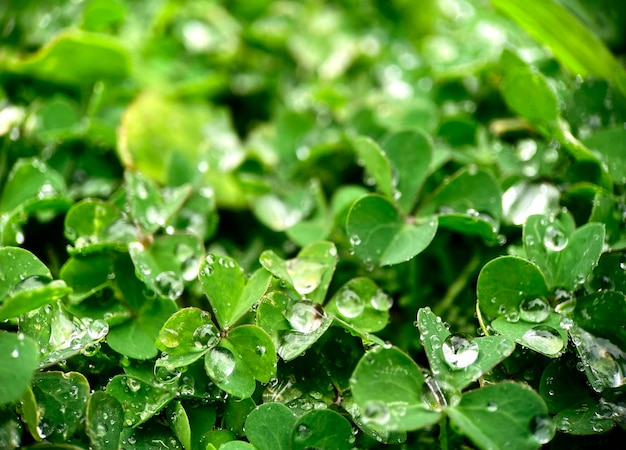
[443, 432]
[457, 285]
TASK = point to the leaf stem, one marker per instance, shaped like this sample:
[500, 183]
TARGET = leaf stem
[443, 432]
[457, 285]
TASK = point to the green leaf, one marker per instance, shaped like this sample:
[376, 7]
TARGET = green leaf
[139, 399]
[10, 429]
[180, 423]
[20, 357]
[309, 273]
[26, 283]
[546, 337]
[294, 326]
[504, 282]
[565, 258]
[33, 186]
[361, 303]
[321, 429]
[62, 398]
[376, 163]
[571, 42]
[528, 93]
[503, 415]
[380, 235]
[95, 226]
[228, 370]
[387, 386]
[168, 263]
[87, 275]
[410, 154]
[104, 421]
[610, 143]
[230, 293]
[78, 58]
[149, 206]
[455, 359]
[136, 338]
[186, 336]
[268, 426]
[256, 348]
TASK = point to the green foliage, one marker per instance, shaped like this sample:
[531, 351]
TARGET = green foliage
[312, 225]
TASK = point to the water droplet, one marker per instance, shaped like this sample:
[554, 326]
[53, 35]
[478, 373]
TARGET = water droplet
[355, 240]
[381, 301]
[169, 285]
[169, 337]
[542, 428]
[492, 406]
[206, 336]
[15, 353]
[459, 351]
[543, 339]
[141, 189]
[303, 432]
[349, 303]
[260, 350]
[219, 363]
[524, 199]
[305, 275]
[534, 310]
[133, 384]
[305, 316]
[376, 413]
[165, 373]
[554, 239]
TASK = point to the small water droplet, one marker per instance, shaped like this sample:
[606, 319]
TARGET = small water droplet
[376, 413]
[169, 285]
[542, 428]
[15, 353]
[554, 239]
[303, 432]
[459, 351]
[534, 310]
[260, 350]
[492, 406]
[133, 384]
[543, 339]
[349, 303]
[381, 301]
[355, 240]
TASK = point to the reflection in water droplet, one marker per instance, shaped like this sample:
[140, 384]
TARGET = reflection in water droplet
[525, 199]
[219, 363]
[305, 316]
[349, 303]
[542, 428]
[133, 384]
[306, 275]
[375, 413]
[534, 310]
[459, 351]
[206, 336]
[554, 239]
[169, 285]
[543, 339]
[381, 301]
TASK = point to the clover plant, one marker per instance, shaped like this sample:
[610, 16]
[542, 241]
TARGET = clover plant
[312, 225]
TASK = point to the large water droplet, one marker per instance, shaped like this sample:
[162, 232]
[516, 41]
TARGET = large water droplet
[206, 336]
[376, 413]
[534, 309]
[543, 339]
[169, 285]
[459, 351]
[306, 275]
[381, 301]
[349, 303]
[305, 316]
[169, 337]
[524, 199]
[542, 428]
[219, 363]
[554, 239]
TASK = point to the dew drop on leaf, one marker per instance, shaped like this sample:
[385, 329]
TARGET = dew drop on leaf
[459, 351]
[169, 285]
[166, 374]
[534, 310]
[219, 363]
[206, 336]
[306, 275]
[349, 303]
[381, 301]
[305, 316]
[169, 337]
[303, 432]
[544, 339]
[133, 384]
[376, 413]
[355, 240]
[492, 406]
[542, 428]
[554, 239]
